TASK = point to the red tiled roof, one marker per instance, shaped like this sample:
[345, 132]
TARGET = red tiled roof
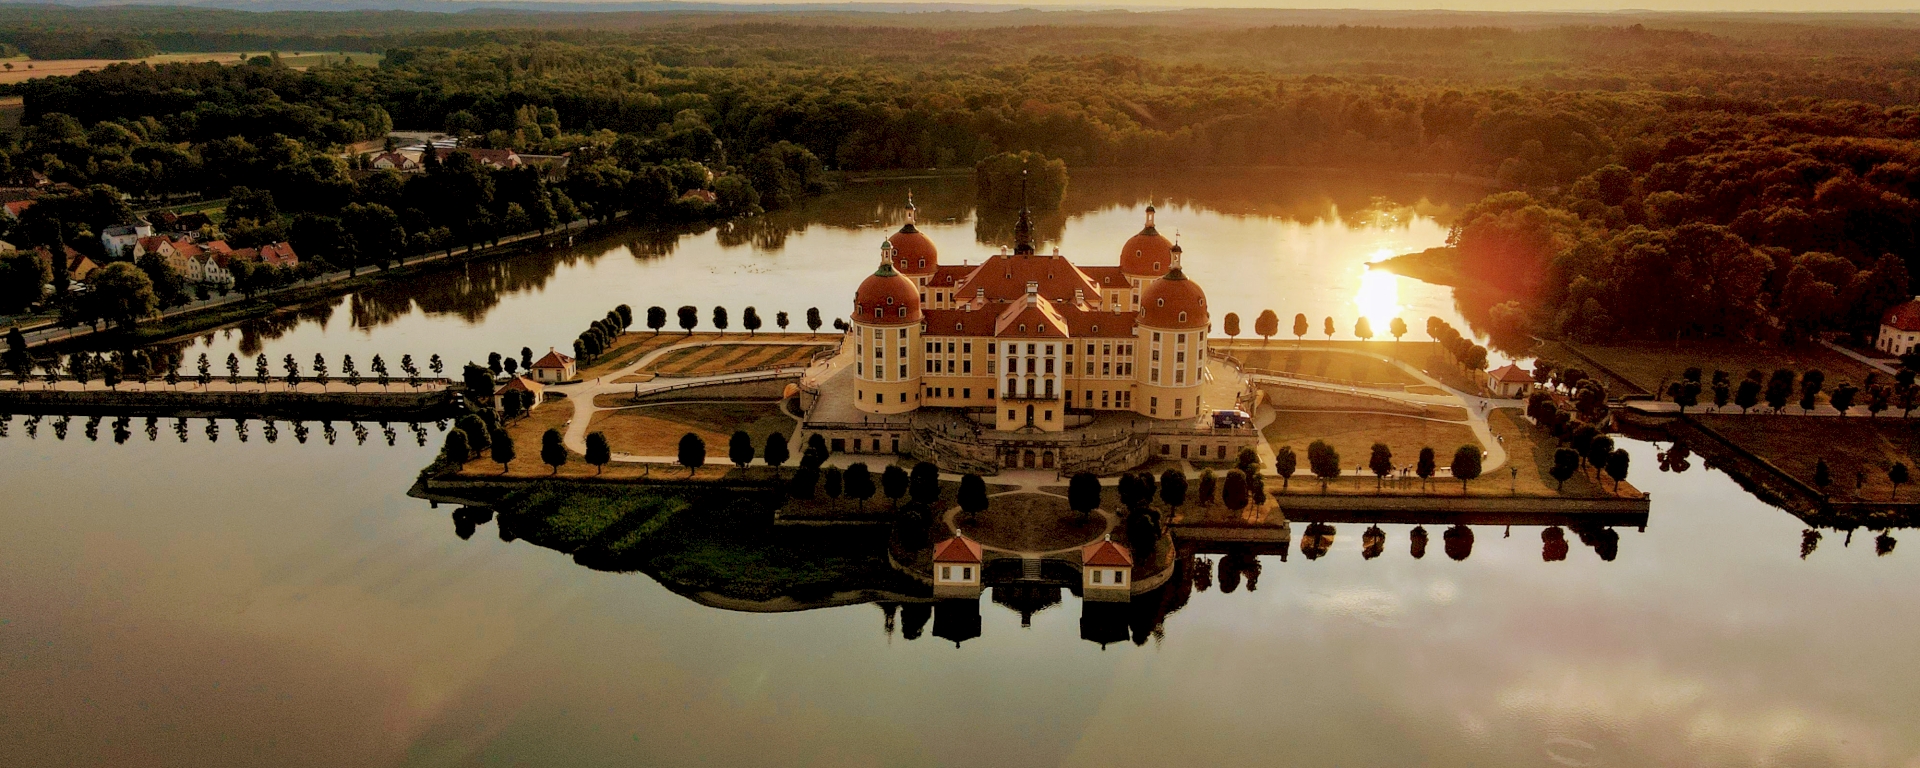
[1107, 277]
[886, 297]
[958, 549]
[1100, 324]
[1038, 321]
[1905, 317]
[1511, 374]
[1106, 553]
[948, 274]
[1173, 302]
[278, 254]
[17, 206]
[218, 246]
[943, 322]
[522, 383]
[553, 360]
[505, 158]
[1005, 278]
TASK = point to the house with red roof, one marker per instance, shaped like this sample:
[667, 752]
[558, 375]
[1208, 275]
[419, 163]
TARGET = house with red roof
[553, 368]
[491, 158]
[956, 566]
[520, 384]
[1106, 570]
[17, 207]
[1900, 329]
[1509, 381]
[78, 266]
[393, 161]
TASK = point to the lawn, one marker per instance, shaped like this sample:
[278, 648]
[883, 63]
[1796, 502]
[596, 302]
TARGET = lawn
[1301, 398]
[1353, 436]
[1647, 366]
[655, 430]
[1338, 366]
[720, 358]
[1030, 522]
[634, 345]
[1851, 446]
[1426, 356]
[526, 433]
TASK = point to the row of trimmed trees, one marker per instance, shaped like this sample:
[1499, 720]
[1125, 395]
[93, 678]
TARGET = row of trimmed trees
[143, 367]
[1782, 387]
[1267, 325]
[1324, 462]
[122, 429]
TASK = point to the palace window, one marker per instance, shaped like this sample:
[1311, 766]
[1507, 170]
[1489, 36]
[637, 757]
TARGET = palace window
[990, 346]
[1090, 347]
[1156, 337]
[1179, 375]
[1049, 388]
[1176, 406]
[1049, 349]
[1047, 415]
[966, 392]
[949, 347]
[1106, 369]
[967, 347]
[1180, 357]
[903, 332]
[903, 374]
[1049, 365]
[1153, 406]
[1030, 349]
[966, 366]
[1069, 367]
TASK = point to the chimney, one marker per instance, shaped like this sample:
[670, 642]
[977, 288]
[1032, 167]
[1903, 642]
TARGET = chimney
[1079, 296]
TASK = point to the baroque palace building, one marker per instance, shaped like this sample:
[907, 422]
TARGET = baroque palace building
[1031, 336]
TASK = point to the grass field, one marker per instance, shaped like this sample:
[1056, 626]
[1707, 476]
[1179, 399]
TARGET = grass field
[1030, 522]
[656, 430]
[1851, 446]
[732, 357]
[634, 345]
[24, 69]
[1646, 366]
[1326, 364]
[1301, 398]
[1353, 435]
[1426, 356]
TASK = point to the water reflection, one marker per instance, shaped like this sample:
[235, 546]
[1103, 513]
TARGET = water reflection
[122, 429]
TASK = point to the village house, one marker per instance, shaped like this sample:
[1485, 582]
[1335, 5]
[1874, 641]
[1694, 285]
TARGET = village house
[1899, 329]
[1105, 571]
[553, 368]
[491, 158]
[120, 240]
[1509, 381]
[393, 161]
[15, 208]
[520, 384]
[78, 266]
[956, 567]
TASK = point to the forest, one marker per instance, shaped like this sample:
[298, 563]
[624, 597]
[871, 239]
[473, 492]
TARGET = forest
[1687, 176]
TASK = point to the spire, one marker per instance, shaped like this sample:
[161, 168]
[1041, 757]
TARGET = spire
[886, 259]
[911, 211]
[1023, 229]
[1149, 216]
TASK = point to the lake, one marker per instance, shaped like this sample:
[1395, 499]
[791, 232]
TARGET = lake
[218, 602]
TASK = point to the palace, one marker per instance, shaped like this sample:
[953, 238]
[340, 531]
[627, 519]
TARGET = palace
[1031, 336]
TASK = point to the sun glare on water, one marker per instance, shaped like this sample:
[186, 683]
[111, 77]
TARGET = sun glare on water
[1379, 296]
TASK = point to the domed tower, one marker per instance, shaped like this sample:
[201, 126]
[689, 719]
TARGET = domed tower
[913, 252]
[1172, 347]
[1146, 257]
[886, 339]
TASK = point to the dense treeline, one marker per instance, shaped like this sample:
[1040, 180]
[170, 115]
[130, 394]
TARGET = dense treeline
[1744, 220]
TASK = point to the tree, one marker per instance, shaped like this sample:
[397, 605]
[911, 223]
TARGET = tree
[775, 451]
[552, 451]
[804, 479]
[1173, 488]
[740, 449]
[1566, 461]
[1747, 395]
[1363, 329]
[1083, 493]
[1208, 489]
[689, 317]
[598, 453]
[456, 449]
[1266, 325]
[1617, 466]
[1232, 325]
[1380, 461]
[1598, 450]
[656, 319]
[1327, 328]
[923, 484]
[1822, 476]
[813, 321]
[1324, 462]
[1843, 397]
[893, 483]
[1285, 463]
[122, 294]
[750, 320]
[973, 494]
[1779, 388]
[502, 445]
[1299, 328]
[693, 453]
[1810, 386]
[1898, 475]
[1466, 465]
[859, 483]
[1397, 328]
[1233, 492]
[720, 319]
[625, 313]
[1425, 466]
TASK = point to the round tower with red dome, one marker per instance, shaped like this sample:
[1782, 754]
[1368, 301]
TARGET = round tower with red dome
[1145, 257]
[886, 330]
[914, 254]
[1172, 333]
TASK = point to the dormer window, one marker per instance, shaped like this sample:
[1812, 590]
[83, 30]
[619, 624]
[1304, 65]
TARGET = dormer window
[1159, 302]
[889, 300]
[1183, 317]
[878, 312]
[903, 311]
[1096, 329]
[923, 262]
[956, 326]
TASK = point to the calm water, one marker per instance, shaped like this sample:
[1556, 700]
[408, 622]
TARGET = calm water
[226, 603]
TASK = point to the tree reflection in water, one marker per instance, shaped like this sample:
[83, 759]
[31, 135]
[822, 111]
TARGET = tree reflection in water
[1373, 541]
[913, 619]
[1605, 541]
[1229, 575]
[1315, 541]
[1458, 541]
[1202, 570]
[1883, 544]
[1553, 544]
